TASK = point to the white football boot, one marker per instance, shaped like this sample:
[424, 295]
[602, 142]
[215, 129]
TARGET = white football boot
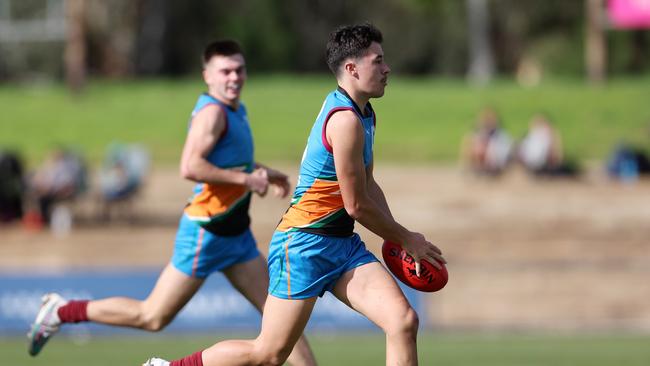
[46, 324]
[156, 362]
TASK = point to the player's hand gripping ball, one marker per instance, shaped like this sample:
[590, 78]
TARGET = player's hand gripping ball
[403, 267]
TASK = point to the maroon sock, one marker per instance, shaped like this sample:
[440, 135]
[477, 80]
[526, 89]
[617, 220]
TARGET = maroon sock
[73, 312]
[194, 359]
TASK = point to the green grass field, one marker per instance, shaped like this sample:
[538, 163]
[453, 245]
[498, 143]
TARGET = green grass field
[358, 349]
[420, 120]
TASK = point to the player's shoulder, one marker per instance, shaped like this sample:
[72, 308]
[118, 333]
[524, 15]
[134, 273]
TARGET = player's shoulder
[210, 115]
[345, 115]
[346, 120]
[212, 111]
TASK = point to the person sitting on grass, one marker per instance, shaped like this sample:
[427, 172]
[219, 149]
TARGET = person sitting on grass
[487, 150]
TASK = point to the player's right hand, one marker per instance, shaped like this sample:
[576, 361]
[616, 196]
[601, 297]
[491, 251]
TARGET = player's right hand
[417, 246]
[258, 181]
[279, 182]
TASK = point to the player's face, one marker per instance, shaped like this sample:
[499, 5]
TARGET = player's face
[225, 76]
[373, 71]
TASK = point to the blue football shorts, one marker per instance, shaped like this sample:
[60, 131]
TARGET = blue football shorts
[303, 265]
[198, 252]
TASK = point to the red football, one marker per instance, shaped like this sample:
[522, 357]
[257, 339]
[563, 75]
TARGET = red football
[403, 267]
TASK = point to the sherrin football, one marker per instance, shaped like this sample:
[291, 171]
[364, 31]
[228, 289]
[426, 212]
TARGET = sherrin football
[402, 266]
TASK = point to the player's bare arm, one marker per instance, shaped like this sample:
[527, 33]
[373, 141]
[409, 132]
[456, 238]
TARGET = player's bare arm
[205, 130]
[375, 191]
[346, 136]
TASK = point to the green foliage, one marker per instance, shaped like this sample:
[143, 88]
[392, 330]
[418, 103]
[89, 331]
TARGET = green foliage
[127, 37]
[419, 120]
[551, 52]
[355, 349]
[628, 51]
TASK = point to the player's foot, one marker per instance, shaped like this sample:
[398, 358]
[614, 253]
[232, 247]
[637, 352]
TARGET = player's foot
[46, 324]
[156, 362]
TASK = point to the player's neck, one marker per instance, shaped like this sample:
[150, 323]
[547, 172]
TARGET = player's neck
[359, 98]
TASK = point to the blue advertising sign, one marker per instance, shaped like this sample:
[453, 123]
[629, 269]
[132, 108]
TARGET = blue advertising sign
[217, 305]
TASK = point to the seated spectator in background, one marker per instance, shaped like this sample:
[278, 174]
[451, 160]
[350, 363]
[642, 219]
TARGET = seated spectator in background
[541, 150]
[12, 187]
[62, 177]
[122, 174]
[487, 150]
[123, 171]
[626, 163]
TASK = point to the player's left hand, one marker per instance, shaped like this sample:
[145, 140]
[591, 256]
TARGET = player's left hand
[418, 247]
[279, 182]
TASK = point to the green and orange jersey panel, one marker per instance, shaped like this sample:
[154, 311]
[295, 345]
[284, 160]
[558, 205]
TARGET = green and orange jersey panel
[223, 208]
[317, 204]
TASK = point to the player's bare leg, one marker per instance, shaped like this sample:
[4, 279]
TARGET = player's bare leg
[251, 279]
[282, 325]
[172, 291]
[370, 290]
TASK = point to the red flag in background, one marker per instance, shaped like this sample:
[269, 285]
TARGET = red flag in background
[629, 14]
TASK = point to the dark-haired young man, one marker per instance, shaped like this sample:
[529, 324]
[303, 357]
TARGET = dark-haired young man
[314, 248]
[214, 233]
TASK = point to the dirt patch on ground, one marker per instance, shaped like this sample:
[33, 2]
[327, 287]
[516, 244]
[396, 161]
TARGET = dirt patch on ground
[567, 254]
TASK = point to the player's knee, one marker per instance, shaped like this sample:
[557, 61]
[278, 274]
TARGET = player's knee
[404, 324]
[157, 322]
[272, 356]
[154, 321]
[154, 324]
[274, 360]
[411, 322]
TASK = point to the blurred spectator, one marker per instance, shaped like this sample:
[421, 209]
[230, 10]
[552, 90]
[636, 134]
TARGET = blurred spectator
[541, 150]
[12, 187]
[487, 150]
[61, 178]
[626, 163]
[122, 175]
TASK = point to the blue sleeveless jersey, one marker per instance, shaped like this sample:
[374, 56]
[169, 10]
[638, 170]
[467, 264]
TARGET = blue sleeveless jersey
[223, 208]
[317, 205]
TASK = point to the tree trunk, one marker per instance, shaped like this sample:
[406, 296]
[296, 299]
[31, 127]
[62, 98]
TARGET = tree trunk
[595, 50]
[481, 63]
[75, 46]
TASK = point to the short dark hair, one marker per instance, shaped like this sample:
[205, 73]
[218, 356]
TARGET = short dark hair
[226, 47]
[350, 41]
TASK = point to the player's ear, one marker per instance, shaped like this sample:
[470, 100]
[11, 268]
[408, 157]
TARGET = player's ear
[351, 69]
[205, 75]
